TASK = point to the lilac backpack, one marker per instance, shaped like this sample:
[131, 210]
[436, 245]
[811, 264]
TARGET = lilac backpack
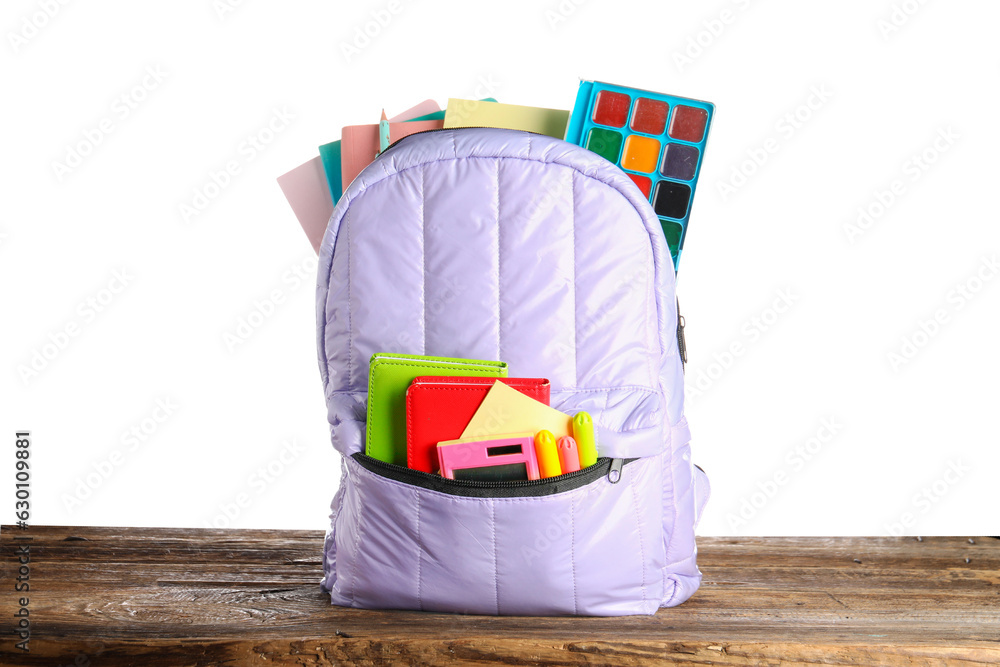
[501, 244]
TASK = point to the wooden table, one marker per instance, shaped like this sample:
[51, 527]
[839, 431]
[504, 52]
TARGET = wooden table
[114, 596]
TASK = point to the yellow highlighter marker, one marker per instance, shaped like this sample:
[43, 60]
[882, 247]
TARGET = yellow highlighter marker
[586, 442]
[547, 453]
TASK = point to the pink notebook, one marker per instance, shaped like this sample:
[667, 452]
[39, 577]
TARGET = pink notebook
[306, 191]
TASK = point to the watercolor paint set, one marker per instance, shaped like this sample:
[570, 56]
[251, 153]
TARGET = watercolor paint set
[658, 140]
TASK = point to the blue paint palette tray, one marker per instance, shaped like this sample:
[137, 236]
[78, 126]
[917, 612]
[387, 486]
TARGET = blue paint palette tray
[658, 140]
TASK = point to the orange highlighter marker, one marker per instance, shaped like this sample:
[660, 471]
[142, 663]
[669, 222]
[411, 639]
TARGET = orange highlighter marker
[547, 454]
[569, 458]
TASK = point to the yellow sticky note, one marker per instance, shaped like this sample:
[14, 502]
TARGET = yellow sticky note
[506, 410]
[476, 113]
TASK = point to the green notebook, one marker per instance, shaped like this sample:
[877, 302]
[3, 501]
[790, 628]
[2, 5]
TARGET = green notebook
[389, 376]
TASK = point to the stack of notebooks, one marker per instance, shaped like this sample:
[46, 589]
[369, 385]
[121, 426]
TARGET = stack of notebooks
[313, 189]
[465, 419]
[658, 140]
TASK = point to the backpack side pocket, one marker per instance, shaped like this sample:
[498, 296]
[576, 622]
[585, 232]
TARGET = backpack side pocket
[679, 511]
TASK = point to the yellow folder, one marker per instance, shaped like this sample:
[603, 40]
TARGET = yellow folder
[476, 113]
[506, 410]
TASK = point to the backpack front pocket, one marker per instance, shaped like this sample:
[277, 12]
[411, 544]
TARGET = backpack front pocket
[574, 544]
[605, 467]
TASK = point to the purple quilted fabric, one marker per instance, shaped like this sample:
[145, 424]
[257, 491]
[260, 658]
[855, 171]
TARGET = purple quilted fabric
[499, 244]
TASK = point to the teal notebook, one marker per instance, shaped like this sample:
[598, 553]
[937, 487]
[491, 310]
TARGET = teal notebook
[330, 155]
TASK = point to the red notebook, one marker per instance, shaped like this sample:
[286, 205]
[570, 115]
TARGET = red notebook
[440, 407]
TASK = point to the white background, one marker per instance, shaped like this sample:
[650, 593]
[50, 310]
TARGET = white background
[869, 86]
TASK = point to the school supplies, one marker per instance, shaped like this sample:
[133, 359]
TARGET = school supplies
[418, 112]
[383, 133]
[586, 441]
[330, 153]
[439, 114]
[440, 407]
[569, 458]
[314, 187]
[473, 113]
[658, 140]
[389, 376]
[306, 190]
[547, 454]
[505, 410]
[503, 458]
[359, 144]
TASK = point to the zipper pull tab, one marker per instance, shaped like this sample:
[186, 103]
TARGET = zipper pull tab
[681, 342]
[615, 473]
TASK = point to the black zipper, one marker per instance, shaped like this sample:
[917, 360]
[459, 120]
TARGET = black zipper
[464, 127]
[494, 489]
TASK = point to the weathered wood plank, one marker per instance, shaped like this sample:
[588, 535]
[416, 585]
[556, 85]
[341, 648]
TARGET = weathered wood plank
[205, 597]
